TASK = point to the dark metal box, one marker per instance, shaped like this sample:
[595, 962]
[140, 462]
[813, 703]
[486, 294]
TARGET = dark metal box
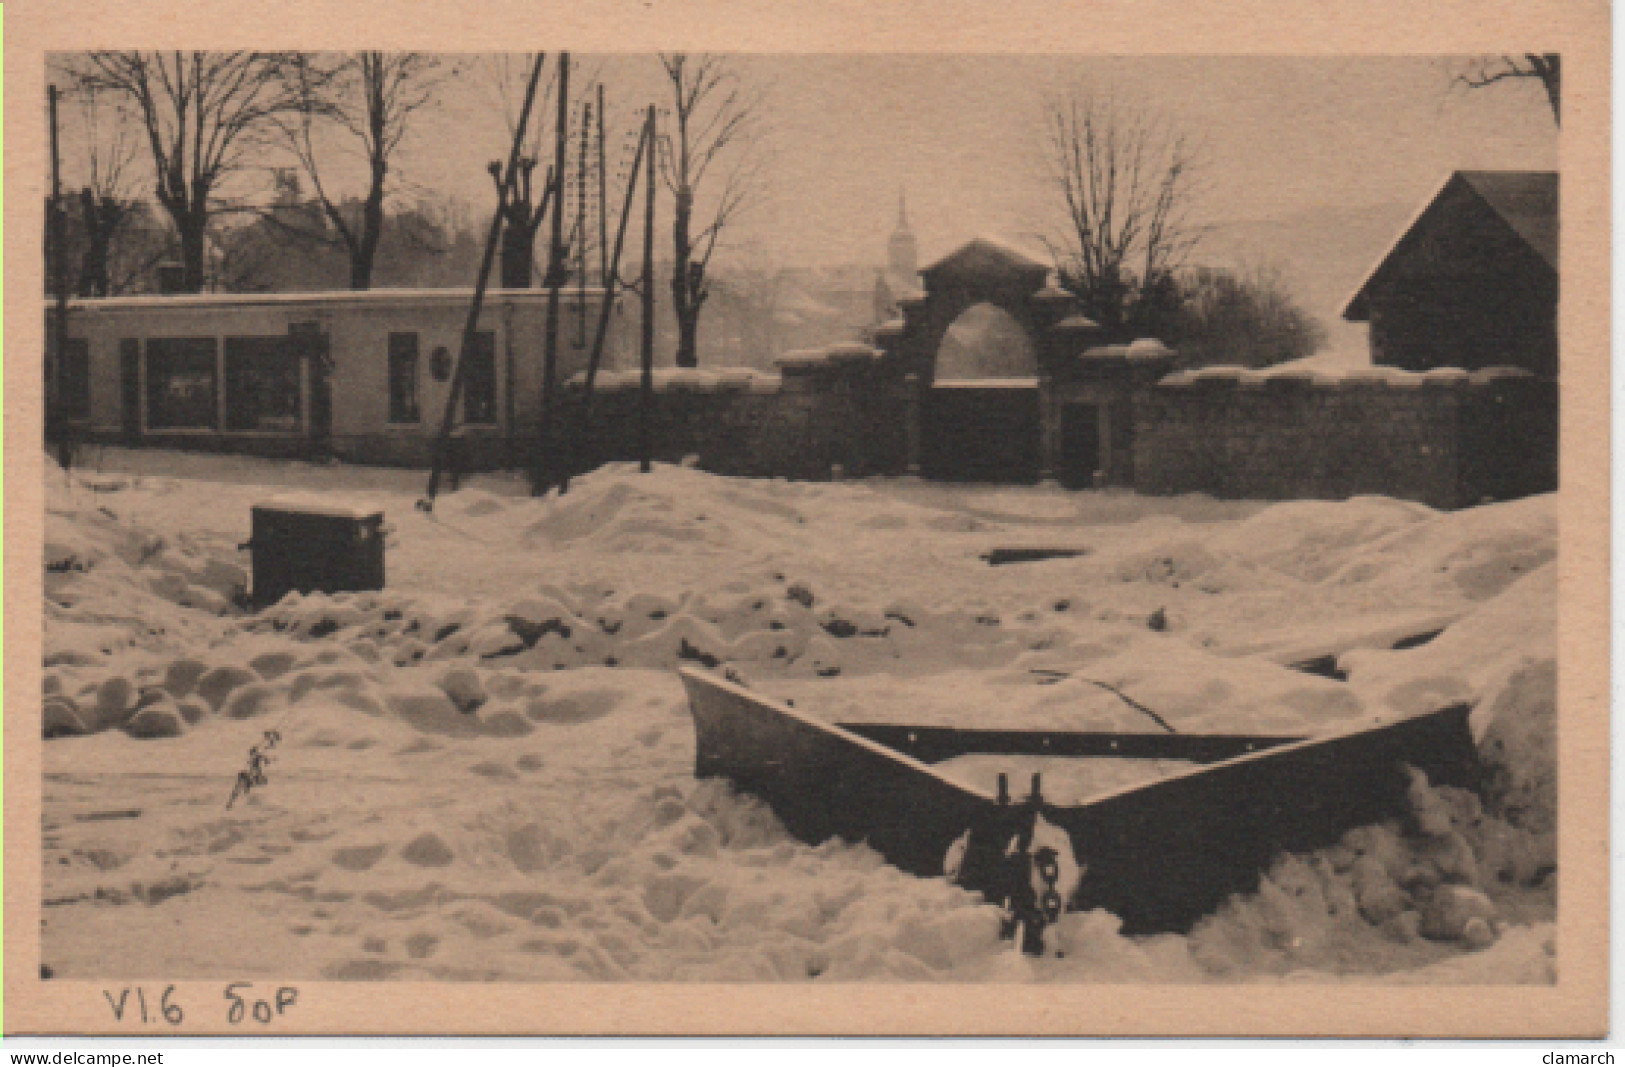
[315, 546]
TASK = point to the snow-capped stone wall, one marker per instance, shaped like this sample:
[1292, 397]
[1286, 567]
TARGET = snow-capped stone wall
[1446, 438]
[826, 411]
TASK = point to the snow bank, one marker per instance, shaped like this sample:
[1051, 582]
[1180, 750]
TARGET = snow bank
[1451, 875]
[486, 770]
[1503, 659]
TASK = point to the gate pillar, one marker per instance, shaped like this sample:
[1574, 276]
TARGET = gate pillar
[911, 418]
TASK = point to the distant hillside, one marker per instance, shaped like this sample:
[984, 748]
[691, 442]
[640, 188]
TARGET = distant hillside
[1322, 255]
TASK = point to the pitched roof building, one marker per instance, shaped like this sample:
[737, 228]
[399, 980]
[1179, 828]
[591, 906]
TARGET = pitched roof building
[1472, 282]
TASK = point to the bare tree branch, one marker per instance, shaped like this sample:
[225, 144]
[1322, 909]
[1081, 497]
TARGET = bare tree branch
[202, 112]
[370, 99]
[1546, 68]
[714, 118]
[1126, 181]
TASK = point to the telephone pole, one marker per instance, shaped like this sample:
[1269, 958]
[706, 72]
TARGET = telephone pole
[541, 473]
[55, 422]
[646, 391]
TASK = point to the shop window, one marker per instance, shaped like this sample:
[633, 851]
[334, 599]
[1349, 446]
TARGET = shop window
[263, 389]
[480, 380]
[403, 378]
[182, 384]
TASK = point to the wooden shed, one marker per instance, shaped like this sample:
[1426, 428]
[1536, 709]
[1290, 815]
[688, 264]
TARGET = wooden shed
[1472, 282]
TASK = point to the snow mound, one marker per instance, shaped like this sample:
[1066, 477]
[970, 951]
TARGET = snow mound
[486, 771]
[1476, 552]
[1502, 658]
[781, 629]
[1451, 876]
[113, 587]
[1310, 540]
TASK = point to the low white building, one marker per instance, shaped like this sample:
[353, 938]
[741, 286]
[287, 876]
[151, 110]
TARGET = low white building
[361, 375]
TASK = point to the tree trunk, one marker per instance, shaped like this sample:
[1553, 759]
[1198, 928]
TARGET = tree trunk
[518, 250]
[192, 227]
[688, 338]
[94, 272]
[372, 228]
[683, 293]
[94, 279]
[360, 270]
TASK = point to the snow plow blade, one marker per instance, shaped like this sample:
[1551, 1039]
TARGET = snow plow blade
[1159, 855]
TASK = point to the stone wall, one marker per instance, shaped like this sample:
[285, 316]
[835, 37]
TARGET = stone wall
[827, 409]
[1509, 437]
[1446, 438]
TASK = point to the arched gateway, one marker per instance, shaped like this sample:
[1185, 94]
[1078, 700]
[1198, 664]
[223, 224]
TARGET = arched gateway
[1071, 418]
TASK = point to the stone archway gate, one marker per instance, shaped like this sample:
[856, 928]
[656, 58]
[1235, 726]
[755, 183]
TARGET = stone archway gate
[1084, 413]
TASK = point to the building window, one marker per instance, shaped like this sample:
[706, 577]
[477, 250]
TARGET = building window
[480, 380]
[263, 390]
[403, 378]
[182, 384]
[74, 378]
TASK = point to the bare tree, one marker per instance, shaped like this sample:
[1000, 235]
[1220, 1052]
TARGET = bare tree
[526, 208]
[1546, 68]
[369, 99]
[1127, 180]
[204, 114]
[716, 118]
[106, 200]
[522, 217]
[501, 79]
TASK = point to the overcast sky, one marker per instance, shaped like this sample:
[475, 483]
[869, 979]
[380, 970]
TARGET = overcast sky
[962, 136]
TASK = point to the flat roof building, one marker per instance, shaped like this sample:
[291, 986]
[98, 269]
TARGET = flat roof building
[362, 375]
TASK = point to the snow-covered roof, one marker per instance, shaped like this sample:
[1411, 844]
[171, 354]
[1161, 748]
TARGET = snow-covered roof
[986, 251]
[1078, 323]
[314, 504]
[1144, 348]
[682, 379]
[1330, 375]
[328, 298]
[986, 383]
[1526, 200]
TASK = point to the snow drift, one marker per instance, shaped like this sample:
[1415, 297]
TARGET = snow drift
[485, 771]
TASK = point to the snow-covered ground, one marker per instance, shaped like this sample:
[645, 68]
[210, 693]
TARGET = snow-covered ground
[486, 770]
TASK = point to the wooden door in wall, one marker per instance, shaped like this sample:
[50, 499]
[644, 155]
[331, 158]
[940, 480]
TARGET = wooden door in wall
[980, 431]
[1079, 456]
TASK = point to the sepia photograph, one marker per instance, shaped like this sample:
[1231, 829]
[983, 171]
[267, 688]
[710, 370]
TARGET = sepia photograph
[956, 519]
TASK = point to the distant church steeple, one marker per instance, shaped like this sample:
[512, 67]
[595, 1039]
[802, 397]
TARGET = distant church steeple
[902, 254]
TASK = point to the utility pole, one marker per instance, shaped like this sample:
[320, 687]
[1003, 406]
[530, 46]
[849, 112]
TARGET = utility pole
[581, 223]
[471, 325]
[584, 434]
[541, 470]
[56, 423]
[646, 390]
[606, 272]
